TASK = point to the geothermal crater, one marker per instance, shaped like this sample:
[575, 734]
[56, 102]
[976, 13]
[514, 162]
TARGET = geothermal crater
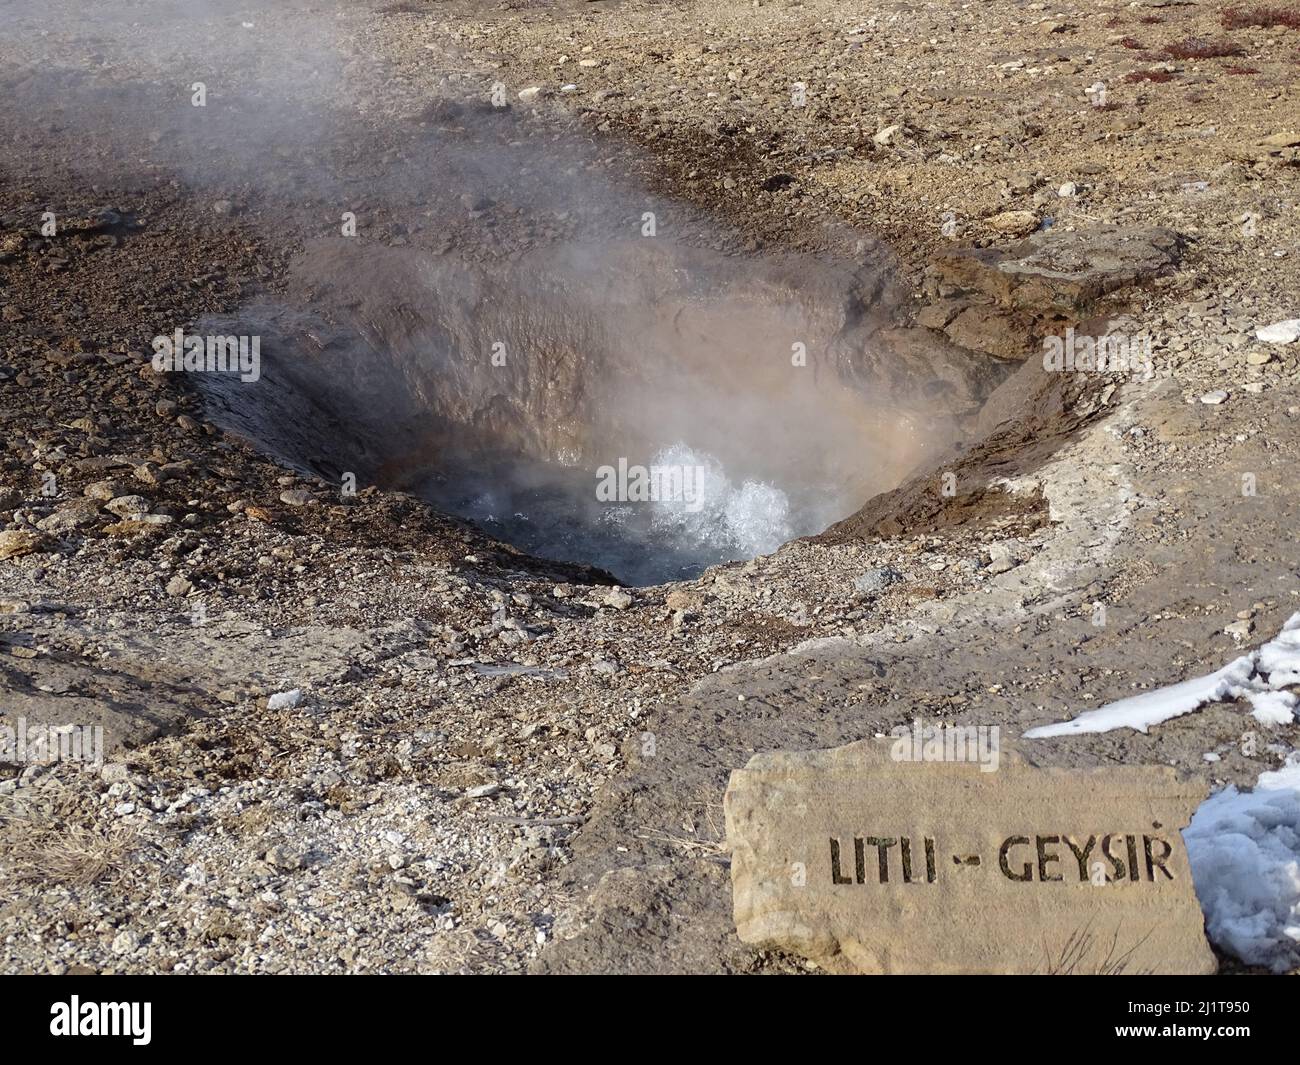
[645, 407]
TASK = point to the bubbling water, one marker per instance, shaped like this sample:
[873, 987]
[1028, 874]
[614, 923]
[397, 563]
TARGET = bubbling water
[556, 513]
[746, 520]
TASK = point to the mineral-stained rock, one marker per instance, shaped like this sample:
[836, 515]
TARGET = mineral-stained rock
[1058, 270]
[145, 523]
[1014, 223]
[17, 542]
[1003, 335]
[876, 858]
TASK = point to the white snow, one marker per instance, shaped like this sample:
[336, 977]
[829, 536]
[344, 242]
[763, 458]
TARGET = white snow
[1256, 676]
[284, 700]
[1272, 708]
[1284, 332]
[1244, 850]
[1280, 657]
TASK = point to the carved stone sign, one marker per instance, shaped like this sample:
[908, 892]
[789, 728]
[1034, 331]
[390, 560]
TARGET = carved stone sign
[867, 864]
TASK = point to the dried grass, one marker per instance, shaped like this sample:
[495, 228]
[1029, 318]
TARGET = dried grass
[47, 852]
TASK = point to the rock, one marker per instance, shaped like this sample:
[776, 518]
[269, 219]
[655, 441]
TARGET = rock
[938, 315]
[1281, 147]
[1002, 564]
[284, 858]
[683, 599]
[1067, 190]
[483, 791]
[531, 94]
[132, 527]
[1022, 181]
[887, 135]
[1213, 399]
[1058, 270]
[1239, 630]
[874, 858]
[296, 497]
[105, 490]
[1014, 223]
[127, 506]
[618, 599]
[178, 586]
[875, 581]
[1258, 358]
[149, 473]
[1285, 332]
[124, 943]
[71, 515]
[1002, 334]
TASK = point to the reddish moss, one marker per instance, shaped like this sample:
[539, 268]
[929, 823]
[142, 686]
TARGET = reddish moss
[1149, 75]
[1203, 48]
[1234, 69]
[1241, 18]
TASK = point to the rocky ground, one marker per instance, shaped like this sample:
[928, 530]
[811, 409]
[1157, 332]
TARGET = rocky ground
[497, 763]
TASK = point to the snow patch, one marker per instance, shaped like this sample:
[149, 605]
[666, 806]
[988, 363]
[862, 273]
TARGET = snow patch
[1244, 850]
[1257, 676]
